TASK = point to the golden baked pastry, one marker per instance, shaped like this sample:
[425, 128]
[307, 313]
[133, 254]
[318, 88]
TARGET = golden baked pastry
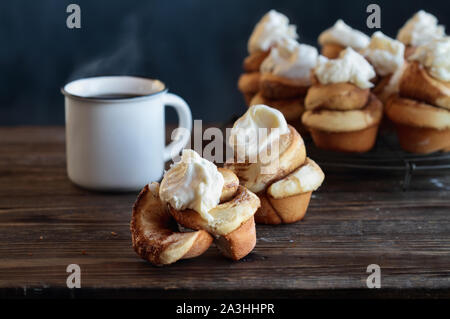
[286, 191]
[380, 88]
[232, 220]
[417, 84]
[336, 96]
[341, 113]
[155, 234]
[331, 50]
[254, 61]
[292, 155]
[278, 87]
[248, 84]
[421, 128]
[286, 201]
[345, 131]
[421, 110]
[230, 186]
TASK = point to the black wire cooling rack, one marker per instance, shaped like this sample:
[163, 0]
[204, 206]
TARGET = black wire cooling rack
[386, 156]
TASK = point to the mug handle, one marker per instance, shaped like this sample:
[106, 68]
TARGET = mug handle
[185, 122]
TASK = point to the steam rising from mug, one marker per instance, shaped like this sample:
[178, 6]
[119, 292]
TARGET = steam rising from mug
[125, 58]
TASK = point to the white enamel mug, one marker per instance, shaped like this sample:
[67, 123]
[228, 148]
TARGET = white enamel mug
[118, 144]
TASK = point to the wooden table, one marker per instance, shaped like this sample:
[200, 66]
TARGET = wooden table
[354, 220]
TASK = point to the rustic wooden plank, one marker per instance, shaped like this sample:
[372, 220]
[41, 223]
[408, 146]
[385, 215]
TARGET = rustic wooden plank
[354, 220]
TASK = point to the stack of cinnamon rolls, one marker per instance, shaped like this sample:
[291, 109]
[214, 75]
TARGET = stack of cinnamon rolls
[338, 96]
[341, 95]
[268, 180]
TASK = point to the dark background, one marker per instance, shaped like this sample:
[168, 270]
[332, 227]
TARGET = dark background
[196, 47]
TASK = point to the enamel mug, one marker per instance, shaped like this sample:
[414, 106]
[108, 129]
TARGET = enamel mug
[115, 131]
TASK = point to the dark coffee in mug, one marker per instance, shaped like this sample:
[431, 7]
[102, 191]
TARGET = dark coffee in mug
[115, 96]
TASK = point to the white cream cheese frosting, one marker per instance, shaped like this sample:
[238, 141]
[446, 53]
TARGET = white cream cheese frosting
[342, 34]
[292, 60]
[194, 183]
[420, 29]
[384, 53]
[256, 130]
[435, 56]
[350, 67]
[273, 27]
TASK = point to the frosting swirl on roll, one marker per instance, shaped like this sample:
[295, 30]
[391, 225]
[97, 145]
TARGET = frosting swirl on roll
[435, 56]
[349, 67]
[273, 27]
[194, 183]
[384, 53]
[292, 60]
[246, 135]
[420, 29]
[342, 34]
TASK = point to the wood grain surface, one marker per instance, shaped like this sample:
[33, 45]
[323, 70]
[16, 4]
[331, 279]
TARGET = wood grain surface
[354, 220]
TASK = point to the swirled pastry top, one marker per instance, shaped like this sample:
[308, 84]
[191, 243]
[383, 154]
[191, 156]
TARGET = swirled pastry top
[417, 113]
[273, 27]
[306, 178]
[345, 121]
[420, 29]
[384, 53]
[435, 56]
[349, 67]
[291, 59]
[194, 183]
[342, 34]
